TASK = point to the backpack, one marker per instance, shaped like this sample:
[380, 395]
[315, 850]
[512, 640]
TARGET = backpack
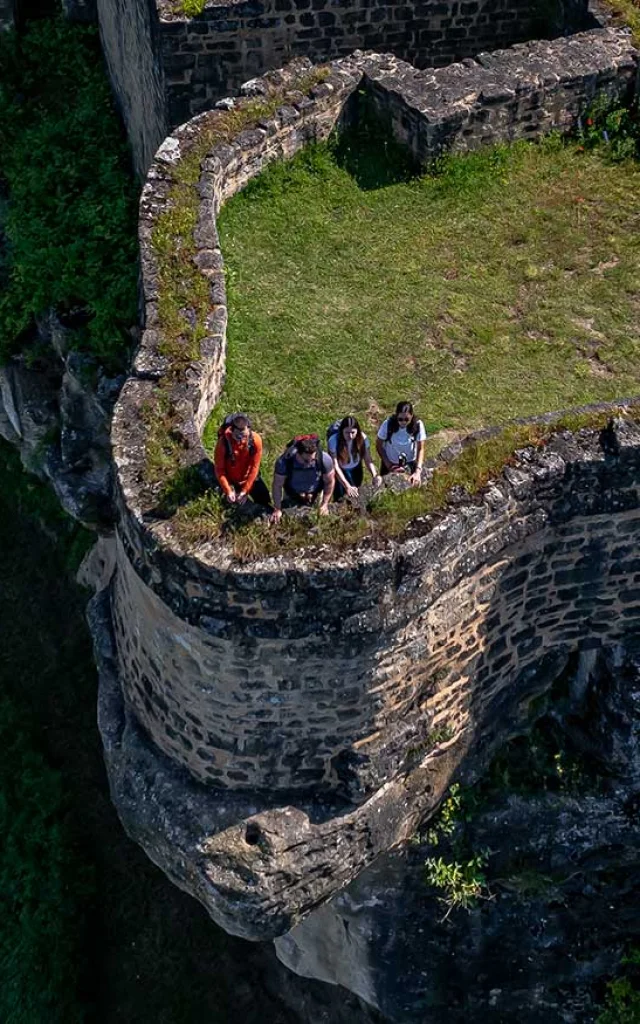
[332, 430]
[289, 455]
[222, 432]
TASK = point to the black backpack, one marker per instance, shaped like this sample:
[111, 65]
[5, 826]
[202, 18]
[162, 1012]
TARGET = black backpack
[290, 451]
[224, 426]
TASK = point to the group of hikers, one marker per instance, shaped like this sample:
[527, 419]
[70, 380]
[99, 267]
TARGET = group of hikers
[305, 472]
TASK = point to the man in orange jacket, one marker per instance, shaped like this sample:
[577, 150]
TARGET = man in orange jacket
[237, 463]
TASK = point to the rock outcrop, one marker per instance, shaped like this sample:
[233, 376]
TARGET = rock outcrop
[559, 909]
[55, 407]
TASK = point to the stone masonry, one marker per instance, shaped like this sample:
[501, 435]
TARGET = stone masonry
[271, 727]
[165, 67]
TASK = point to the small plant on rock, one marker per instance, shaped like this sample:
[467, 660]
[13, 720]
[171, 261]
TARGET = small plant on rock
[460, 879]
[462, 883]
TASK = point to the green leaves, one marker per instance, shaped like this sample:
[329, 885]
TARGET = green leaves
[70, 220]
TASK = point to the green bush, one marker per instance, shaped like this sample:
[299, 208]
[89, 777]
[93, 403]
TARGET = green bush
[622, 1004]
[613, 128]
[69, 223]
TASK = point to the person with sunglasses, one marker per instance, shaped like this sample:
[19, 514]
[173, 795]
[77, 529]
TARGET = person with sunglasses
[237, 462]
[400, 443]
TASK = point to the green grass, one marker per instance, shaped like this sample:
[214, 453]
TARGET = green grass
[504, 287]
[626, 12]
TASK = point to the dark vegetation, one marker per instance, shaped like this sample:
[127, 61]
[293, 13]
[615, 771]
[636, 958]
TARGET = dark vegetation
[70, 224]
[90, 930]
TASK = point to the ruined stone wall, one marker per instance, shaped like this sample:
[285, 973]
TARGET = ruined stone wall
[290, 679]
[271, 727]
[523, 92]
[210, 56]
[261, 677]
[130, 41]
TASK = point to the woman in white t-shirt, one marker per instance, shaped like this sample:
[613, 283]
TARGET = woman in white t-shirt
[350, 450]
[400, 443]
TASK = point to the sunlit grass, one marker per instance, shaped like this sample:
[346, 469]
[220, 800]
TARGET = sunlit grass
[505, 287]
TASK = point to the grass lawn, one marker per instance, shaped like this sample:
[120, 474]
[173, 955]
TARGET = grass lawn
[506, 286]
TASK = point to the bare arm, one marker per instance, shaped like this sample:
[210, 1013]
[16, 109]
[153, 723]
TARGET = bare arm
[341, 477]
[278, 484]
[328, 483]
[368, 461]
[416, 476]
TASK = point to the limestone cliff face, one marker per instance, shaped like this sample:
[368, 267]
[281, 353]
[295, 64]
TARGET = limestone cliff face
[55, 407]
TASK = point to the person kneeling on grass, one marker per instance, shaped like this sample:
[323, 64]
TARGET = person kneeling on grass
[303, 472]
[237, 462]
[400, 443]
[351, 451]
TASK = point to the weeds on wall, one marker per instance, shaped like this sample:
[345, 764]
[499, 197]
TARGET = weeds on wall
[459, 876]
[622, 1002]
[387, 514]
[69, 219]
[612, 128]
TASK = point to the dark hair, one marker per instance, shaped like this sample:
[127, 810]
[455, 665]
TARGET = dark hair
[342, 448]
[240, 422]
[413, 424]
[310, 443]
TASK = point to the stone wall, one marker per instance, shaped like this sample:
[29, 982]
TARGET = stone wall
[387, 676]
[292, 680]
[271, 727]
[130, 41]
[523, 92]
[210, 56]
[256, 627]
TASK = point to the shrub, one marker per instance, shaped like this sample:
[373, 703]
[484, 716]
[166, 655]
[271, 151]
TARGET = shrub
[70, 220]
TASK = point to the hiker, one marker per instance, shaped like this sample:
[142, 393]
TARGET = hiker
[350, 451]
[303, 471]
[400, 443]
[237, 462]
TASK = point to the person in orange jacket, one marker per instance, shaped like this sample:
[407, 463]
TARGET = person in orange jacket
[237, 462]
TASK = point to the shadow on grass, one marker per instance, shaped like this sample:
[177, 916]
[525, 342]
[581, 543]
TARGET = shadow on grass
[365, 148]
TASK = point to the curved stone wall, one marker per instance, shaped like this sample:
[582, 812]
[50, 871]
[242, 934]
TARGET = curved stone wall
[321, 706]
[258, 677]
[449, 637]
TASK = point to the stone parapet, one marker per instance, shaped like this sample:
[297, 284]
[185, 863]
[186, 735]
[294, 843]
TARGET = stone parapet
[418, 666]
[270, 727]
